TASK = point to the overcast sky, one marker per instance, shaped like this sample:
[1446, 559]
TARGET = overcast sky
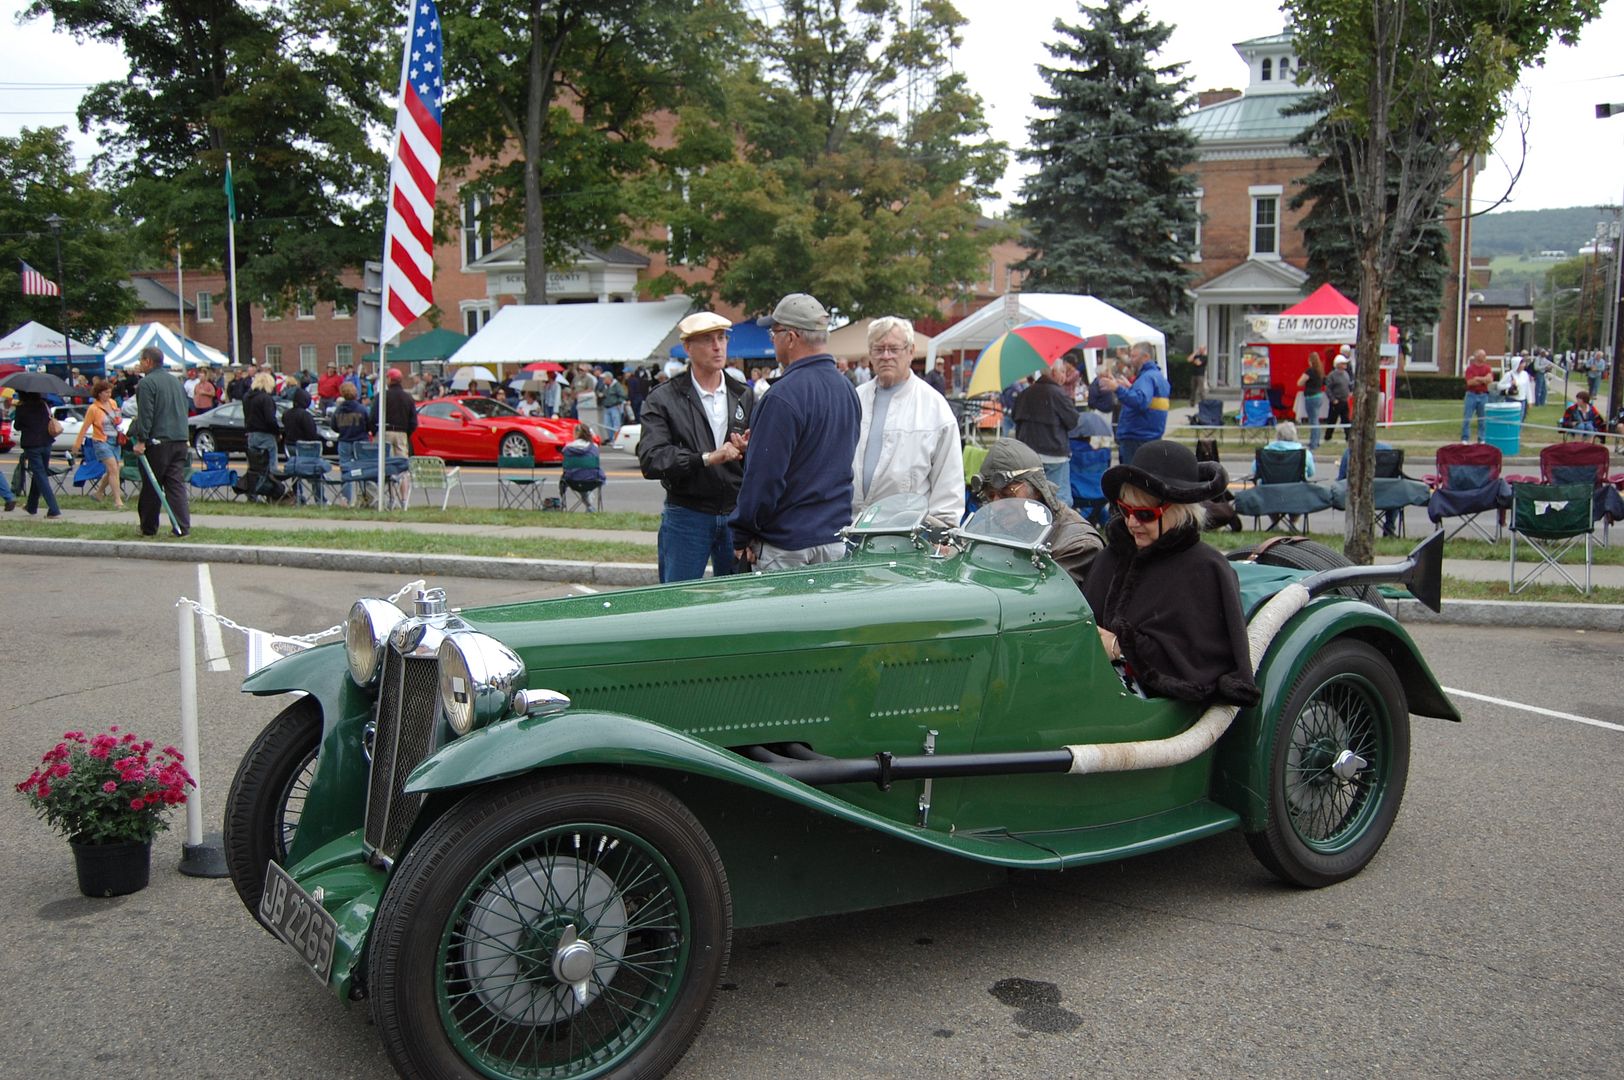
[1573, 159]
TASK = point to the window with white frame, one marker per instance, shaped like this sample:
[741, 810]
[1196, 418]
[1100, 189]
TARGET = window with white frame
[205, 307]
[476, 230]
[475, 314]
[1268, 69]
[305, 308]
[273, 357]
[1190, 236]
[307, 358]
[272, 311]
[1266, 220]
[343, 308]
[344, 355]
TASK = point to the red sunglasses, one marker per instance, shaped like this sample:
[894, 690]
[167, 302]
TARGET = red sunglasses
[1142, 514]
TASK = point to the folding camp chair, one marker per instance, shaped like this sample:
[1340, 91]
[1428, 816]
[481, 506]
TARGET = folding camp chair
[214, 480]
[974, 454]
[583, 477]
[1392, 491]
[1257, 418]
[306, 465]
[1468, 483]
[1281, 489]
[430, 472]
[1582, 463]
[89, 471]
[1209, 413]
[1088, 465]
[517, 485]
[61, 474]
[1551, 519]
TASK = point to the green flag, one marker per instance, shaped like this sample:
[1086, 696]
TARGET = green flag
[231, 196]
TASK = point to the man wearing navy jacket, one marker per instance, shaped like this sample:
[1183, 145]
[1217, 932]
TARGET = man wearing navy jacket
[796, 494]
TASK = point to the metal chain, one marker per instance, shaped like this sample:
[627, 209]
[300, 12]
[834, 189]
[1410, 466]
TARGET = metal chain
[309, 639]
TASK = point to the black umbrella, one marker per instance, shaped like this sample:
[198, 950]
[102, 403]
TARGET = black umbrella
[41, 382]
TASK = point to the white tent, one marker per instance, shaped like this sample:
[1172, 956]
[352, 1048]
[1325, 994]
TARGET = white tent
[130, 340]
[1087, 313]
[576, 333]
[34, 342]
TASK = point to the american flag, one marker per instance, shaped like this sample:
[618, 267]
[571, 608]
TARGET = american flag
[408, 245]
[37, 284]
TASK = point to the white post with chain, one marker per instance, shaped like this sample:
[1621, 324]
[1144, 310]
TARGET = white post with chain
[197, 859]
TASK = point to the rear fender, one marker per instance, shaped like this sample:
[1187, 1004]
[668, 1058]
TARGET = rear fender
[1241, 764]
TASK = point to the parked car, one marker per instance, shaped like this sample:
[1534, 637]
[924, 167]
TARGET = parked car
[468, 427]
[73, 418]
[221, 428]
[7, 440]
[524, 834]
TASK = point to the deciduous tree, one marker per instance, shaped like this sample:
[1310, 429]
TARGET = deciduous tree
[1413, 88]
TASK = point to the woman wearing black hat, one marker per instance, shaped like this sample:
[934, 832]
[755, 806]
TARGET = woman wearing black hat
[1168, 606]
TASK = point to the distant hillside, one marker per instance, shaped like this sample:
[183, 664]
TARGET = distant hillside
[1528, 232]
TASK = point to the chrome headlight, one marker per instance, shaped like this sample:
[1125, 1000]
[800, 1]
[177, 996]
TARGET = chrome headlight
[478, 676]
[365, 632]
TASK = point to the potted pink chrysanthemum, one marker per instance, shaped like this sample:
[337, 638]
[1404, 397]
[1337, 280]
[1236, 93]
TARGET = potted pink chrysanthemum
[109, 794]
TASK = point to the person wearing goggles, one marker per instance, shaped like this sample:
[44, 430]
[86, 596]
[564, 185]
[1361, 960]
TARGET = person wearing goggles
[1012, 470]
[1168, 606]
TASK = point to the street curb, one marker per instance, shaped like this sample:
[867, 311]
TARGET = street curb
[1497, 613]
[1501, 613]
[376, 562]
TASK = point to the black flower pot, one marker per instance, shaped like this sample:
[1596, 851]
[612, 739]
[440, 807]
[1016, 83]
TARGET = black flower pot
[112, 869]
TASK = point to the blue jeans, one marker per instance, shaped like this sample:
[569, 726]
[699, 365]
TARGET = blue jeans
[39, 479]
[1474, 407]
[1127, 448]
[1313, 412]
[611, 419]
[1058, 473]
[1539, 388]
[689, 539]
[6, 494]
[349, 456]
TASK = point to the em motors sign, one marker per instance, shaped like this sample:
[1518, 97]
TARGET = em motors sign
[1307, 329]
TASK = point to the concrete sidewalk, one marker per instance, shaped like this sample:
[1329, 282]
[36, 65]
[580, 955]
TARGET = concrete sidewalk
[1481, 613]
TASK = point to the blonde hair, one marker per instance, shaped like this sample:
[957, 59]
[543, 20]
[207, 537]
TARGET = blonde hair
[348, 392]
[263, 381]
[1176, 516]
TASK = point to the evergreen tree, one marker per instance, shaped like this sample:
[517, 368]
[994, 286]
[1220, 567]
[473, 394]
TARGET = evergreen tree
[1110, 207]
[1417, 293]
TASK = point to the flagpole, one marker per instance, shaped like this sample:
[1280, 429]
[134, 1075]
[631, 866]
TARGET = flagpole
[231, 257]
[180, 304]
[55, 222]
[380, 395]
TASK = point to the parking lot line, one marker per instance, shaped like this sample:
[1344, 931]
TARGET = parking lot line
[214, 649]
[1534, 709]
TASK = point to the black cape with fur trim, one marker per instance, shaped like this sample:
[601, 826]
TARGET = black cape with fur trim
[1175, 608]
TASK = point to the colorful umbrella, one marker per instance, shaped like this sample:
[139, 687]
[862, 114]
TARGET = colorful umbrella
[1105, 341]
[543, 365]
[1029, 349]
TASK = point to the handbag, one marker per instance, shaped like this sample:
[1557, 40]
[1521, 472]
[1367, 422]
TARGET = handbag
[54, 428]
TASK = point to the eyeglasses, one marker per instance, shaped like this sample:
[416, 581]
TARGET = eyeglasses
[887, 350]
[1142, 514]
[775, 331]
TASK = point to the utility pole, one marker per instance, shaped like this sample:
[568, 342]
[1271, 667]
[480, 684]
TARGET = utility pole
[55, 222]
[1615, 387]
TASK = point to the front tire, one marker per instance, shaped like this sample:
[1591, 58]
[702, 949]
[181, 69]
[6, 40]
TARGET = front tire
[514, 444]
[267, 796]
[1340, 759]
[560, 927]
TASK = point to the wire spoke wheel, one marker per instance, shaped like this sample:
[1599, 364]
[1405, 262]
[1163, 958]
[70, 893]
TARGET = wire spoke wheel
[563, 953]
[266, 800]
[554, 927]
[1338, 762]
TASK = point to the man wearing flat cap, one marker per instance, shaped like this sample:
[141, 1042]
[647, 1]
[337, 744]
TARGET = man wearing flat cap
[797, 489]
[695, 425]
[1013, 470]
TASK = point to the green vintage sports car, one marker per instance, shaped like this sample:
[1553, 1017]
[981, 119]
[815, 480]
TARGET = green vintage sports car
[525, 833]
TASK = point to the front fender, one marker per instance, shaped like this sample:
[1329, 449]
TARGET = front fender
[1242, 763]
[585, 739]
[336, 802]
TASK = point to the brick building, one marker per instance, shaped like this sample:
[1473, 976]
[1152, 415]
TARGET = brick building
[1249, 254]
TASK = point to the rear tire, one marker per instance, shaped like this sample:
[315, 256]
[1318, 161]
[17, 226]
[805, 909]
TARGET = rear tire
[1313, 556]
[1328, 812]
[267, 796]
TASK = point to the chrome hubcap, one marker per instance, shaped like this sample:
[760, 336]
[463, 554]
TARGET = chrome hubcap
[1348, 765]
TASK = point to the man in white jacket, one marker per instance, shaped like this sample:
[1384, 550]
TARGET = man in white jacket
[909, 439]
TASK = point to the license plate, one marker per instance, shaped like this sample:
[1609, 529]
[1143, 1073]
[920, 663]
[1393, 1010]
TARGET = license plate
[294, 916]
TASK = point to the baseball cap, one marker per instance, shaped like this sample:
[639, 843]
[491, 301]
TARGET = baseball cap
[798, 311]
[394, 374]
[1340, 359]
[702, 322]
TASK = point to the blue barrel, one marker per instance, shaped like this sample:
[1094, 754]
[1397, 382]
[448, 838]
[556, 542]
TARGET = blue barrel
[1502, 428]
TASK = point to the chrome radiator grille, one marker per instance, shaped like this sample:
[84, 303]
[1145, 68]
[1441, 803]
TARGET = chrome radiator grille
[405, 735]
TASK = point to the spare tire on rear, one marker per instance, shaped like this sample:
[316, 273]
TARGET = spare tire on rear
[1301, 553]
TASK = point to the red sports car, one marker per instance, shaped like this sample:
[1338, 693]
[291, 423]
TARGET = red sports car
[467, 427]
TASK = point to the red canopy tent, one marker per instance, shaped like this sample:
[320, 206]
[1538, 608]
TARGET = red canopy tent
[1320, 323]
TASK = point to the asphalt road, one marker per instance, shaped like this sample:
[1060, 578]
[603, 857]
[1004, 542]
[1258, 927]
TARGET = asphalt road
[1483, 941]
